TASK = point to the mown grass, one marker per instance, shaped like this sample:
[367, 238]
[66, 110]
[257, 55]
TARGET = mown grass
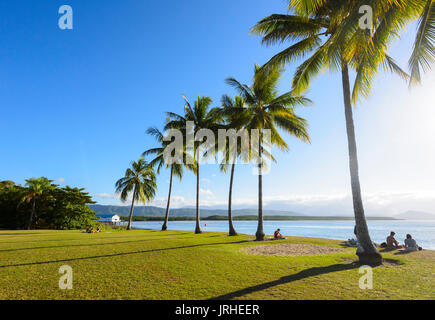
[180, 265]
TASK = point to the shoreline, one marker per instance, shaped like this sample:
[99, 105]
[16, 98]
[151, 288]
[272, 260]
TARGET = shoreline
[300, 229]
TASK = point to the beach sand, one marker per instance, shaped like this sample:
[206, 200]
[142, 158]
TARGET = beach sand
[291, 249]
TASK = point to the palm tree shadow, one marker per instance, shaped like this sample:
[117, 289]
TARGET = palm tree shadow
[120, 254]
[311, 272]
[86, 244]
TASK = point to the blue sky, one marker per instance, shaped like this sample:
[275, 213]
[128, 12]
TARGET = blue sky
[75, 105]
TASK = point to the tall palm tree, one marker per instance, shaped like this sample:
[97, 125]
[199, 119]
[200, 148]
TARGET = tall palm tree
[159, 161]
[140, 179]
[267, 110]
[202, 117]
[37, 188]
[234, 112]
[328, 31]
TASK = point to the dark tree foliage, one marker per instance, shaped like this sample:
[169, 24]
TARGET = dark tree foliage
[58, 208]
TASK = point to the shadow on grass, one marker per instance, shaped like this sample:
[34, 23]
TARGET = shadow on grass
[120, 254]
[21, 234]
[387, 249]
[311, 272]
[90, 244]
[83, 239]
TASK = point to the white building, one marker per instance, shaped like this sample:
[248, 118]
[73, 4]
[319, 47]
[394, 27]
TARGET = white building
[111, 218]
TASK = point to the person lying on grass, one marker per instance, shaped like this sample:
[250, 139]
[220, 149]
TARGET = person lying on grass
[277, 235]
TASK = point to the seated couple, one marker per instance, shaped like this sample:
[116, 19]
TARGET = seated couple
[410, 243]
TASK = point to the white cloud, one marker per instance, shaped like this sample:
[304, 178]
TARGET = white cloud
[176, 202]
[207, 193]
[61, 180]
[107, 196]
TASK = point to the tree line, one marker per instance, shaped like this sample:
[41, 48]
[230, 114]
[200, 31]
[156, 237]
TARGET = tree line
[44, 205]
[325, 35]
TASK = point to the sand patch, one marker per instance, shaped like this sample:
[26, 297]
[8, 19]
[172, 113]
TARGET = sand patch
[291, 249]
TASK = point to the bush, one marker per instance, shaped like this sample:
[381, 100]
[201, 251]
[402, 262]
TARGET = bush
[55, 208]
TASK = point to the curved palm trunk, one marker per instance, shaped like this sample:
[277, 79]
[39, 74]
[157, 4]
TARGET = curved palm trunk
[367, 252]
[131, 210]
[260, 232]
[232, 231]
[165, 224]
[32, 214]
[198, 225]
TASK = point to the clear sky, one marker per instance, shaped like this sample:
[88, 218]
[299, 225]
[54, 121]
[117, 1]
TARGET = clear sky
[75, 105]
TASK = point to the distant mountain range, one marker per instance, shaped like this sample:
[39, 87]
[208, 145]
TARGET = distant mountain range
[150, 211]
[142, 211]
[415, 215]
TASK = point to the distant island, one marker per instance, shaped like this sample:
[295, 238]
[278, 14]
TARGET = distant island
[150, 213]
[416, 215]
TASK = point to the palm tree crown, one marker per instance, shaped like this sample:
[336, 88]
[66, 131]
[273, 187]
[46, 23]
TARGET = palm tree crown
[139, 179]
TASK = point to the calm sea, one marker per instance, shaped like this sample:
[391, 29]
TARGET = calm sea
[422, 231]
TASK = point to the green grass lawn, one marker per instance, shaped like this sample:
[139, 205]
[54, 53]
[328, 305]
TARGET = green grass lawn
[180, 265]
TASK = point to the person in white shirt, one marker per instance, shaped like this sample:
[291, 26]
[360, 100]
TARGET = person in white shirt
[410, 244]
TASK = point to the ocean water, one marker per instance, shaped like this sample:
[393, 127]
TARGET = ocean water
[422, 231]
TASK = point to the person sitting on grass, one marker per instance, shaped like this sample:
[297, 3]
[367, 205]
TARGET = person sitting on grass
[411, 244]
[277, 235]
[392, 243]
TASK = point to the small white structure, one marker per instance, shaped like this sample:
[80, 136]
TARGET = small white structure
[110, 218]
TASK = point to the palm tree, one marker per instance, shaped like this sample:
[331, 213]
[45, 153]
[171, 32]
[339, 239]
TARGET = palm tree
[423, 54]
[159, 161]
[202, 117]
[328, 29]
[267, 110]
[140, 179]
[235, 115]
[37, 188]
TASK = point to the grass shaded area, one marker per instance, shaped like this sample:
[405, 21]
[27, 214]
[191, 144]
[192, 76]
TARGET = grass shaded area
[142, 264]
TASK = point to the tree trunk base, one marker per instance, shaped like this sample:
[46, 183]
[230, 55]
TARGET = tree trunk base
[259, 236]
[232, 233]
[372, 259]
[198, 230]
[164, 228]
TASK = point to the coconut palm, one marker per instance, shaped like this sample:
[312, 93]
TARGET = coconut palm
[267, 110]
[234, 112]
[423, 54]
[328, 31]
[159, 161]
[139, 179]
[202, 117]
[37, 188]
